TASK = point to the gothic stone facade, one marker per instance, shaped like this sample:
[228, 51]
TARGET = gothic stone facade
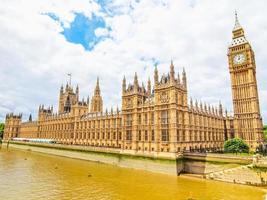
[154, 121]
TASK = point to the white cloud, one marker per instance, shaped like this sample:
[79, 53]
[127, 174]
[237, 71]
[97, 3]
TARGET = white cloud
[35, 57]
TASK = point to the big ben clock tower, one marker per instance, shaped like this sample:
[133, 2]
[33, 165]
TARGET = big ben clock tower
[247, 118]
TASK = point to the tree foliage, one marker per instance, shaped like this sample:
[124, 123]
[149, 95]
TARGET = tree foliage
[236, 145]
[265, 131]
[2, 127]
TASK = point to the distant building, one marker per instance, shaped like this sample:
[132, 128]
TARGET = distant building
[158, 120]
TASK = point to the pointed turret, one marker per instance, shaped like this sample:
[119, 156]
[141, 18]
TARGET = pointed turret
[77, 93]
[66, 87]
[191, 103]
[172, 73]
[118, 109]
[136, 85]
[124, 84]
[196, 105]
[97, 102]
[88, 100]
[97, 87]
[178, 79]
[77, 90]
[156, 76]
[220, 109]
[184, 79]
[61, 89]
[30, 118]
[143, 87]
[149, 87]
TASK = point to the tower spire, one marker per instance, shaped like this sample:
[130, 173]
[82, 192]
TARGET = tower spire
[97, 88]
[237, 24]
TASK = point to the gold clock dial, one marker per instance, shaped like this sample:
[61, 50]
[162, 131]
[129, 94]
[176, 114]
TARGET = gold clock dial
[239, 58]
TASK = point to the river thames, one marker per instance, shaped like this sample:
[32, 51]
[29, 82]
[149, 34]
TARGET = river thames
[29, 175]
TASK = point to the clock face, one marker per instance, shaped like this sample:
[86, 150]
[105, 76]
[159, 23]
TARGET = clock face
[239, 58]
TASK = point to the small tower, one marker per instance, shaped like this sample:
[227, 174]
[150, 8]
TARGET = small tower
[97, 102]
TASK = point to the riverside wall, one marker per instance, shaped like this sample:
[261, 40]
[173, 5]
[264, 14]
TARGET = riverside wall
[167, 164]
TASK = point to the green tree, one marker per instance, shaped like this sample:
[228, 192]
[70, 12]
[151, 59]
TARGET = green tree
[236, 145]
[265, 131]
[2, 127]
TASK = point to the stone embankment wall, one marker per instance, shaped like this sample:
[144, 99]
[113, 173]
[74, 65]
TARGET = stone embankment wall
[167, 165]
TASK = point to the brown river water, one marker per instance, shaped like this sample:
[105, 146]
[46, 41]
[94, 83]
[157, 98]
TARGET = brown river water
[33, 176]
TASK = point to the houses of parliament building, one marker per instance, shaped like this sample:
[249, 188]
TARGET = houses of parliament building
[158, 120]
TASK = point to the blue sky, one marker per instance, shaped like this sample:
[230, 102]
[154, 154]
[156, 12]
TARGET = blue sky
[46, 40]
[82, 29]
